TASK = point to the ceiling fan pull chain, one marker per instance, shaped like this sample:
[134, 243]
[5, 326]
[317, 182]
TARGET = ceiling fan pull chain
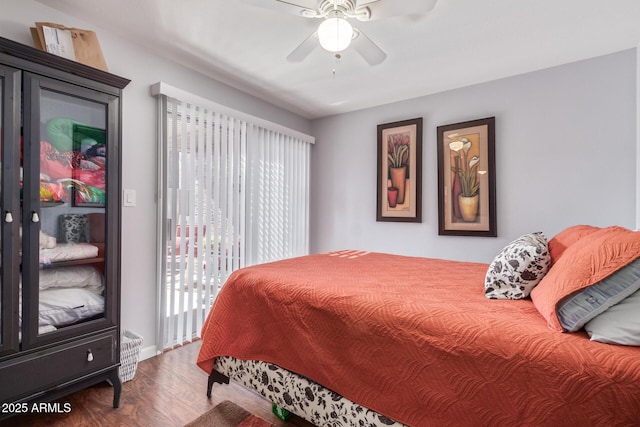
[337, 56]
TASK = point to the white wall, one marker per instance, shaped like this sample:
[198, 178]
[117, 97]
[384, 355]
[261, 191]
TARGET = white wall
[565, 154]
[139, 145]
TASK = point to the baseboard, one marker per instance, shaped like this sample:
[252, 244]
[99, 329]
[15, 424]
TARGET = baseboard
[148, 352]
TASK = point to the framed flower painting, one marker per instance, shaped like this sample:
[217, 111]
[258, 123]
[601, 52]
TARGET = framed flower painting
[400, 171]
[467, 178]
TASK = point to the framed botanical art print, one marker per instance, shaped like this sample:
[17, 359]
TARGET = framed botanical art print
[467, 178]
[400, 171]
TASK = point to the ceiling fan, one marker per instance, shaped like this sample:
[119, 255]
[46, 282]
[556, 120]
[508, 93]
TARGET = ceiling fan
[335, 33]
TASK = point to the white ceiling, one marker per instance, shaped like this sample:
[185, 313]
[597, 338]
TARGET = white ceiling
[458, 43]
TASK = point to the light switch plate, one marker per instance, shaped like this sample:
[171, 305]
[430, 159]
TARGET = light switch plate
[129, 198]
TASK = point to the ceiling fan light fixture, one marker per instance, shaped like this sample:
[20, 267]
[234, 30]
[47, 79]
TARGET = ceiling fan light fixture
[335, 34]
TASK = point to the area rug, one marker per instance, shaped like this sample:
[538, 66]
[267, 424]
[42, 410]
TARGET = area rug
[228, 414]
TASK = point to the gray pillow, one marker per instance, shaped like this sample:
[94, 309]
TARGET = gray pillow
[518, 268]
[619, 324]
[73, 228]
[577, 309]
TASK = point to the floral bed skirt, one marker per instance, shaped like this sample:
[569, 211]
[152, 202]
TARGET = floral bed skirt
[299, 395]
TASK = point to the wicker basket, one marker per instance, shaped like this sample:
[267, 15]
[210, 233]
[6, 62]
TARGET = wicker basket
[130, 344]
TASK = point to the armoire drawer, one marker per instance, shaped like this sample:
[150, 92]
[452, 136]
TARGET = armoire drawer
[45, 369]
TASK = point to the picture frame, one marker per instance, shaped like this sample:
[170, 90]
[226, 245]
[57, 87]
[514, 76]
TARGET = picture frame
[78, 200]
[467, 178]
[399, 184]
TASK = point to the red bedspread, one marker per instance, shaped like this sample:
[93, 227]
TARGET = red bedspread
[416, 340]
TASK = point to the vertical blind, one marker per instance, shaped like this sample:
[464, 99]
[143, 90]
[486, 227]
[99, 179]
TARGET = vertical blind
[233, 192]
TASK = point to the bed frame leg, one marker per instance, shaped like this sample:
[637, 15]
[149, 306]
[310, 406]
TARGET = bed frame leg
[215, 377]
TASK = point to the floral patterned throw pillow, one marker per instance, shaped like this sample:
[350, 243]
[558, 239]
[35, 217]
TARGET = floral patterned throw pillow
[518, 268]
[73, 228]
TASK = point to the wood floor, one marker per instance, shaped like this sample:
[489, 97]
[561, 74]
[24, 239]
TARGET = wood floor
[167, 391]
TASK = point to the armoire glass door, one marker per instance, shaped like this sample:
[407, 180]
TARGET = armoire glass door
[65, 209]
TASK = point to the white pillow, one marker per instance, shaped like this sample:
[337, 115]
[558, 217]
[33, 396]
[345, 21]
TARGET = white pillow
[518, 268]
[64, 306]
[80, 276]
[619, 324]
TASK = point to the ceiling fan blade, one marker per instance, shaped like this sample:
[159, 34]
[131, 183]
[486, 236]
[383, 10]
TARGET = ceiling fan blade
[368, 49]
[304, 49]
[294, 7]
[387, 8]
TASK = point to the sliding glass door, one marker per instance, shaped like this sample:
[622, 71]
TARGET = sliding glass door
[232, 193]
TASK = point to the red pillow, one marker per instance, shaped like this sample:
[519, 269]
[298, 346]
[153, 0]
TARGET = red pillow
[566, 238]
[584, 263]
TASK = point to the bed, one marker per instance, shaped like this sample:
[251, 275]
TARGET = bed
[353, 338]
